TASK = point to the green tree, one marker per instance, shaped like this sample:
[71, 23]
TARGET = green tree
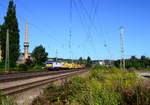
[145, 61]
[10, 23]
[39, 55]
[81, 61]
[133, 58]
[88, 62]
[117, 63]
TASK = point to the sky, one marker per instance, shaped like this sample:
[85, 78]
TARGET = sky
[92, 23]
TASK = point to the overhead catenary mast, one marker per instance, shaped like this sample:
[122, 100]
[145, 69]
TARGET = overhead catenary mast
[109, 52]
[122, 50]
[70, 31]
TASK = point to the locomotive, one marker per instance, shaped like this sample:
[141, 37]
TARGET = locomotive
[51, 65]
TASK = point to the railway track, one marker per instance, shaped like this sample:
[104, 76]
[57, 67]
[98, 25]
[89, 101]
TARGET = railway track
[26, 75]
[21, 85]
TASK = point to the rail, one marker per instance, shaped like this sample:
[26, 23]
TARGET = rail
[21, 85]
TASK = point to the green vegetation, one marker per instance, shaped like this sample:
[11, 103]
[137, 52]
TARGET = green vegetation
[141, 64]
[80, 61]
[22, 67]
[10, 23]
[102, 86]
[88, 62]
[5, 100]
[25, 67]
[147, 69]
[1, 66]
[39, 55]
[37, 67]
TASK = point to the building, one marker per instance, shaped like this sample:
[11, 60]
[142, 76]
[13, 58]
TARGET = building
[21, 59]
[101, 62]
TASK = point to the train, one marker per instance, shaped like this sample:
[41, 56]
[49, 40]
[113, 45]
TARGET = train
[58, 65]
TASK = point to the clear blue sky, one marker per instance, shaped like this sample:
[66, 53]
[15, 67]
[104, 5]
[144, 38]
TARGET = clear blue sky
[49, 24]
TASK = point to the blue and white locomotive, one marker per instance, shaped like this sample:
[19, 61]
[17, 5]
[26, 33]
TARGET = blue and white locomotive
[53, 64]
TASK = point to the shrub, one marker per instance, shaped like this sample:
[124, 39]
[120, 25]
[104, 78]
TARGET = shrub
[37, 67]
[99, 67]
[23, 67]
[1, 66]
[137, 95]
[97, 74]
[104, 86]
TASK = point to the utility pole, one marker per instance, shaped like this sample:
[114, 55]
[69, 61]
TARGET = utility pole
[7, 52]
[122, 59]
[0, 52]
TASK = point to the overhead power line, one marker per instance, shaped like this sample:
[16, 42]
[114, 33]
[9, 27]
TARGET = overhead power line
[91, 19]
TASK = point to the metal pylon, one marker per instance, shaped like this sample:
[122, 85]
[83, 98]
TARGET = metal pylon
[122, 59]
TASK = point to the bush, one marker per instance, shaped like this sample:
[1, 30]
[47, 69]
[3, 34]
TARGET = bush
[104, 86]
[137, 95]
[97, 74]
[23, 67]
[99, 67]
[91, 92]
[2, 66]
[37, 67]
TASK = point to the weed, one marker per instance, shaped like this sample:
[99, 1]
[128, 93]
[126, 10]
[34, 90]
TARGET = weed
[103, 86]
[5, 100]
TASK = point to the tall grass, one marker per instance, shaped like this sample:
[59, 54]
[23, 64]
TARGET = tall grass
[5, 100]
[102, 86]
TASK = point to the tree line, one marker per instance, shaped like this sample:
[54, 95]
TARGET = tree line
[87, 62]
[134, 62]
